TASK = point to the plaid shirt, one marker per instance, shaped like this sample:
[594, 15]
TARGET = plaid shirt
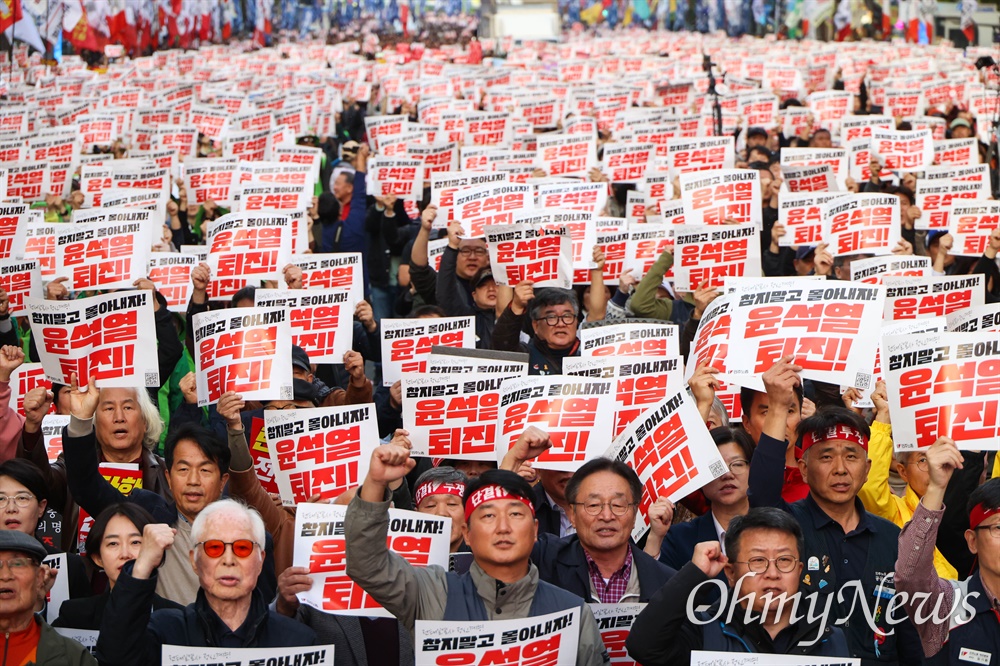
[612, 591]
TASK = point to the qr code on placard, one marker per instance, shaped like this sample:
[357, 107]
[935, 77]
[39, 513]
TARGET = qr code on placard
[285, 392]
[863, 381]
[717, 469]
[152, 379]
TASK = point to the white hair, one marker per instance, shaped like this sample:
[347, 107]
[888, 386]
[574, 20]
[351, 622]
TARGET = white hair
[233, 508]
[151, 417]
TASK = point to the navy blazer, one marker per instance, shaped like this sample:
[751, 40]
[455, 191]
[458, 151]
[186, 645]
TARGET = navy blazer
[563, 563]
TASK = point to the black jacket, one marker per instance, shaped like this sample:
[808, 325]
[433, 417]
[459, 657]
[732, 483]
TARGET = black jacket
[662, 633]
[131, 633]
[563, 563]
[548, 518]
[86, 613]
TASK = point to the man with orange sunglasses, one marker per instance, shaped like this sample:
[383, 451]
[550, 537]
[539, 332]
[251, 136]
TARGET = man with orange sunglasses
[230, 612]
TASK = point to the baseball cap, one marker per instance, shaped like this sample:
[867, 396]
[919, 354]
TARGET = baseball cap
[481, 276]
[350, 147]
[756, 131]
[300, 359]
[803, 252]
[21, 542]
[934, 236]
[960, 122]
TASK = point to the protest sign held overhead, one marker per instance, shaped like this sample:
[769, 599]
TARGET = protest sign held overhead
[321, 321]
[530, 252]
[861, 224]
[932, 296]
[406, 343]
[635, 338]
[712, 253]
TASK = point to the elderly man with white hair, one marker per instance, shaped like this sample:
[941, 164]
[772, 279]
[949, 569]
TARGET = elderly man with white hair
[227, 556]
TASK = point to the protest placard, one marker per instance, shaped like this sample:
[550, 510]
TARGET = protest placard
[614, 621]
[479, 206]
[700, 154]
[566, 154]
[420, 538]
[712, 253]
[551, 639]
[487, 129]
[26, 377]
[211, 180]
[453, 416]
[871, 271]
[644, 245]
[861, 224]
[85, 637]
[322, 321]
[576, 412]
[932, 296]
[900, 150]
[832, 331]
[14, 218]
[627, 162]
[406, 343]
[970, 223]
[247, 350]
[590, 197]
[171, 273]
[257, 443]
[639, 382]
[935, 199]
[40, 245]
[819, 178]
[670, 450]
[103, 255]
[106, 338]
[28, 180]
[944, 385]
[636, 338]
[801, 215]
[444, 186]
[247, 246]
[700, 658]
[531, 252]
[582, 231]
[860, 127]
[835, 158]
[459, 361]
[59, 592]
[123, 477]
[984, 318]
[714, 197]
[976, 172]
[710, 348]
[956, 152]
[21, 279]
[399, 177]
[331, 271]
[323, 451]
[185, 655]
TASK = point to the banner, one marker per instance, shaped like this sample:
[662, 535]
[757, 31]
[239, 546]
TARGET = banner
[576, 412]
[871, 271]
[862, 224]
[184, 655]
[108, 337]
[639, 382]
[641, 338]
[551, 639]
[614, 621]
[944, 385]
[714, 253]
[420, 538]
[247, 350]
[832, 331]
[406, 343]
[322, 321]
[453, 416]
[530, 252]
[670, 449]
[934, 296]
[21, 279]
[323, 451]
[171, 273]
[717, 197]
[331, 271]
[802, 216]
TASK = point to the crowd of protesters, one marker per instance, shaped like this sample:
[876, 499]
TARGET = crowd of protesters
[201, 555]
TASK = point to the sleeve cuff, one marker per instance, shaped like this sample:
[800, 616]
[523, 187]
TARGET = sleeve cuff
[79, 427]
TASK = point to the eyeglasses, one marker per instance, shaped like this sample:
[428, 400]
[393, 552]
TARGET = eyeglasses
[994, 530]
[469, 251]
[275, 408]
[552, 319]
[21, 500]
[921, 464]
[618, 507]
[17, 564]
[784, 564]
[739, 466]
[214, 548]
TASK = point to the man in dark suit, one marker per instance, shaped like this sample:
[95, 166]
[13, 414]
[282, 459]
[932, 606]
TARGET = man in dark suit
[600, 562]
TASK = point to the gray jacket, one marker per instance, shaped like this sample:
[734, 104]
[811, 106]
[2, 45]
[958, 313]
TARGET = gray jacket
[421, 593]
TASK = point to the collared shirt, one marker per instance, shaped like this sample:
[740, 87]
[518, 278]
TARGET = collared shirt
[848, 552]
[721, 532]
[612, 590]
[565, 526]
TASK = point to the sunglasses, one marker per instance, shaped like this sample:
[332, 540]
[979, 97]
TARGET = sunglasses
[214, 548]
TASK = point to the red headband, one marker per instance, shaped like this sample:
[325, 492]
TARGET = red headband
[490, 494]
[839, 431]
[434, 488]
[979, 514]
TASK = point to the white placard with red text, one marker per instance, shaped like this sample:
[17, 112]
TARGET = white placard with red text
[801, 215]
[713, 197]
[971, 225]
[331, 271]
[861, 224]
[21, 279]
[646, 338]
[406, 343]
[871, 271]
[932, 296]
[321, 320]
[171, 273]
[530, 252]
[713, 253]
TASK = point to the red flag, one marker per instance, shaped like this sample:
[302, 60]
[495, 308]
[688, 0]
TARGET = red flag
[10, 13]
